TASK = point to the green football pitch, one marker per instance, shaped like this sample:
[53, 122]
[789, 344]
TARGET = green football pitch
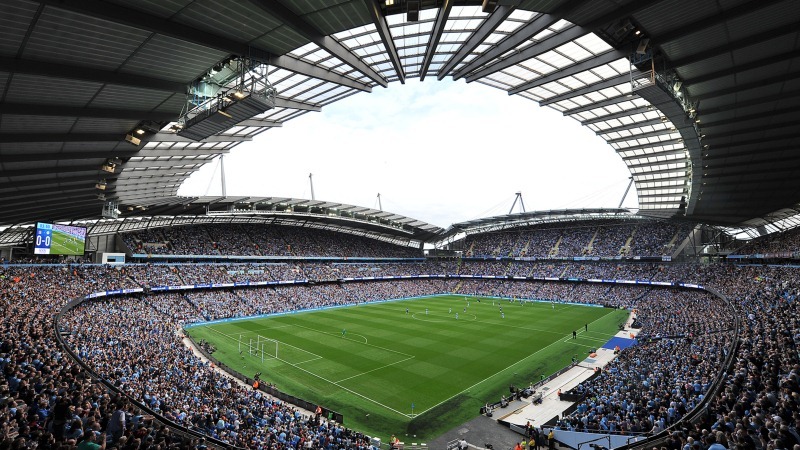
[66, 244]
[416, 373]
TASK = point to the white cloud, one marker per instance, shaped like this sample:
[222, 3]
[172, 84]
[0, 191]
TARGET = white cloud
[442, 152]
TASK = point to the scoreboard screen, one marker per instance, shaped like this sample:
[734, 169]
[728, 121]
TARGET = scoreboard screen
[56, 239]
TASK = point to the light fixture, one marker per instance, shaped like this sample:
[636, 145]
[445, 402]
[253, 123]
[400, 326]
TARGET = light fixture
[225, 113]
[638, 32]
[133, 139]
[238, 94]
[488, 6]
[101, 185]
[389, 2]
[139, 131]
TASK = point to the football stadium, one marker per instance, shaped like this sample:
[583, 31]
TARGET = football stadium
[138, 318]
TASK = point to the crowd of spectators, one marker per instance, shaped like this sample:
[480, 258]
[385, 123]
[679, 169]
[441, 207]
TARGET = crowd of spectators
[787, 241]
[261, 240]
[135, 342]
[605, 238]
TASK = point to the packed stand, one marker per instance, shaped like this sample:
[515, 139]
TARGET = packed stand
[605, 238]
[46, 400]
[785, 242]
[267, 240]
[658, 237]
[758, 403]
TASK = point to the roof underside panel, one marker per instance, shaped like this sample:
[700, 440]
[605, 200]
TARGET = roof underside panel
[77, 77]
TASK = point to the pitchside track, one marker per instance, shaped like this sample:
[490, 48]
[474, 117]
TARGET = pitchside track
[410, 366]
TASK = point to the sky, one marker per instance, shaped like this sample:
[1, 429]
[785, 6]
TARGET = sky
[439, 151]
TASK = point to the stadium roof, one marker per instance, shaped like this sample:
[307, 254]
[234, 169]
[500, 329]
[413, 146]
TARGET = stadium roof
[708, 111]
[352, 219]
[513, 220]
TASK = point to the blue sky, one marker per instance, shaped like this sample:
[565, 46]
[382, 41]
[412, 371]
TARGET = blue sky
[438, 151]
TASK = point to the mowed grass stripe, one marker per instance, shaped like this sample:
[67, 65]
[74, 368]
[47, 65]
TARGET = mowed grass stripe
[391, 358]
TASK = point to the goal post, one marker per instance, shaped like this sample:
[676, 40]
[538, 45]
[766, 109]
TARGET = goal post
[267, 347]
[260, 347]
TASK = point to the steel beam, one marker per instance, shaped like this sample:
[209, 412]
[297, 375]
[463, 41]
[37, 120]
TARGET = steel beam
[704, 23]
[386, 37]
[650, 164]
[138, 19]
[603, 103]
[521, 35]
[675, 203]
[140, 194]
[654, 180]
[296, 65]
[145, 152]
[172, 137]
[749, 171]
[611, 82]
[748, 117]
[766, 127]
[588, 64]
[768, 138]
[739, 68]
[435, 37]
[22, 109]
[756, 160]
[66, 156]
[735, 45]
[643, 146]
[63, 196]
[641, 136]
[629, 126]
[155, 24]
[48, 192]
[261, 123]
[66, 71]
[297, 23]
[281, 102]
[55, 205]
[617, 115]
[748, 103]
[781, 78]
[678, 152]
[140, 182]
[531, 51]
[53, 170]
[495, 19]
[715, 153]
[676, 194]
[176, 165]
[70, 179]
[64, 137]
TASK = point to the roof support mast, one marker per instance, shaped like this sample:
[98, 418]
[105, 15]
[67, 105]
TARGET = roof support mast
[626, 193]
[521, 203]
[222, 174]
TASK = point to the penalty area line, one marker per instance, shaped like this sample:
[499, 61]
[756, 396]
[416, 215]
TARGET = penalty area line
[331, 382]
[377, 368]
